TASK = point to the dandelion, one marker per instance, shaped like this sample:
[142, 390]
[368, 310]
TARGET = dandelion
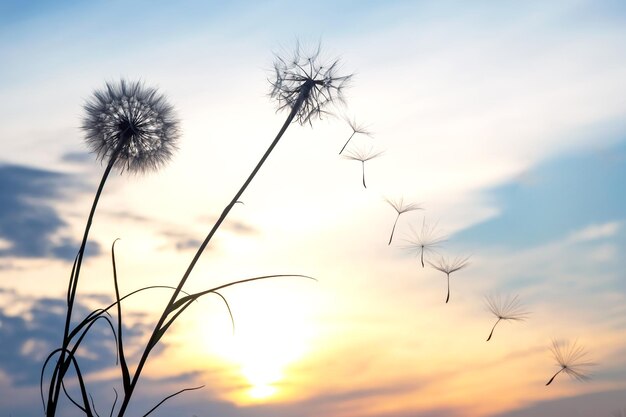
[356, 129]
[448, 266]
[507, 309]
[571, 359]
[362, 156]
[400, 208]
[426, 240]
[131, 126]
[306, 86]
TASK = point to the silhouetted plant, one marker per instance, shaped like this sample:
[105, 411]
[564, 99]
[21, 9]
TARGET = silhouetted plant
[362, 156]
[505, 309]
[400, 207]
[571, 359]
[305, 87]
[133, 128]
[449, 266]
[356, 129]
[425, 241]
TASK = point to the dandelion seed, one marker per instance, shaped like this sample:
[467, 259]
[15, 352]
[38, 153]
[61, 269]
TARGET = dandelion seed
[356, 129]
[571, 359]
[425, 241]
[400, 208]
[448, 266]
[507, 309]
[306, 84]
[362, 156]
[131, 126]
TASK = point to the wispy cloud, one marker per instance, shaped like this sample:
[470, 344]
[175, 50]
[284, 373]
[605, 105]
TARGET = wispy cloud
[30, 225]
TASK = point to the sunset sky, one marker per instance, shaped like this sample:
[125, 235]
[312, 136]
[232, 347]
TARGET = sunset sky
[505, 121]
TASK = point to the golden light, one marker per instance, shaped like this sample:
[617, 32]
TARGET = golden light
[272, 328]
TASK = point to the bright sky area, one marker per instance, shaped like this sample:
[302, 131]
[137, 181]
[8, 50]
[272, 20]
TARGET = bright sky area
[505, 121]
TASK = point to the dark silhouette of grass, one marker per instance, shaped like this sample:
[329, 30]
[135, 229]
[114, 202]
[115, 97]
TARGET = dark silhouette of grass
[133, 128]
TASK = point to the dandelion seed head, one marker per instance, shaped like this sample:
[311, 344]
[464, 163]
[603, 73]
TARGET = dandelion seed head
[426, 239]
[304, 77]
[449, 265]
[133, 124]
[571, 358]
[507, 308]
[356, 127]
[401, 207]
[361, 154]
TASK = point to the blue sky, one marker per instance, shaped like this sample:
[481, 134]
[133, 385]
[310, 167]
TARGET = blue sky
[504, 121]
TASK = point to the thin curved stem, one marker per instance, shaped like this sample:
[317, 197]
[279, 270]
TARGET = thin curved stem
[363, 169]
[554, 376]
[448, 296]
[62, 366]
[156, 333]
[393, 229]
[493, 328]
[348, 141]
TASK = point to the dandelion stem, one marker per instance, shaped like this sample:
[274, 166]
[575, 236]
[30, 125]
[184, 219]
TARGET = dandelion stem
[554, 376]
[363, 170]
[348, 141]
[493, 328]
[156, 333]
[62, 366]
[448, 296]
[393, 229]
[422, 256]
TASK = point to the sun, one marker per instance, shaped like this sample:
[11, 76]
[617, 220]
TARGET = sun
[272, 332]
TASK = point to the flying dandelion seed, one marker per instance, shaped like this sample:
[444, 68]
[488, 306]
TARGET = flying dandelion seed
[356, 129]
[507, 309]
[571, 359]
[400, 207]
[448, 266]
[362, 156]
[131, 125]
[304, 83]
[425, 241]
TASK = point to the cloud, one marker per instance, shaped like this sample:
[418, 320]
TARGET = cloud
[594, 404]
[565, 195]
[30, 226]
[29, 334]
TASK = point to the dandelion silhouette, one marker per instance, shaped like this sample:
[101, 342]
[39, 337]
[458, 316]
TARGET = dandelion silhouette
[571, 359]
[131, 125]
[356, 129]
[362, 156]
[507, 309]
[400, 208]
[448, 266]
[133, 128]
[425, 241]
[305, 86]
